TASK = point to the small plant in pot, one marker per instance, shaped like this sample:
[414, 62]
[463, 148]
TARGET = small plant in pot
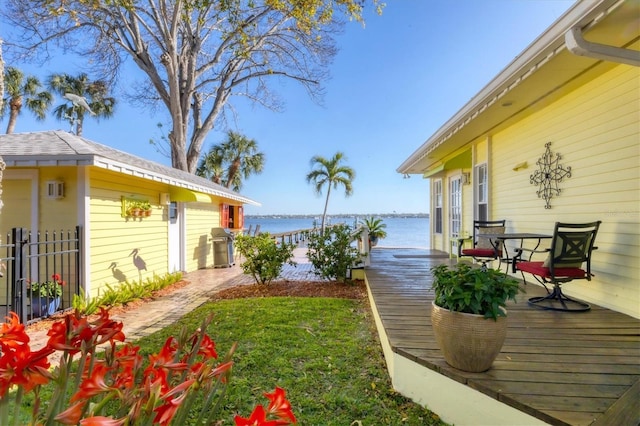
[469, 314]
[376, 228]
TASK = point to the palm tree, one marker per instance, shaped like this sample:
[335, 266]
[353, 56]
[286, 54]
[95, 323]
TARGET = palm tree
[95, 91]
[332, 173]
[210, 166]
[23, 92]
[232, 162]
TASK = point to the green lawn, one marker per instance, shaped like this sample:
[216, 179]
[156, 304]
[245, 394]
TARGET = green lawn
[323, 352]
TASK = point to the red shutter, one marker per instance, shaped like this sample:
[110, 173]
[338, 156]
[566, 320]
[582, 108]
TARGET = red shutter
[240, 218]
[224, 215]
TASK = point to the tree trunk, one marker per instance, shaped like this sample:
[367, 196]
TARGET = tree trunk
[1, 77]
[1, 98]
[326, 204]
[15, 105]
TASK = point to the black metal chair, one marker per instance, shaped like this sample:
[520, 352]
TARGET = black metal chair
[484, 250]
[568, 259]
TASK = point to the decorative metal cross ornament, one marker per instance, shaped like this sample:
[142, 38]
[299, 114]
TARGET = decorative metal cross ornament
[549, 175]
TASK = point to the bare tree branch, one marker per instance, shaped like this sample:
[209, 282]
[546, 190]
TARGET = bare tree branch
[196, 55]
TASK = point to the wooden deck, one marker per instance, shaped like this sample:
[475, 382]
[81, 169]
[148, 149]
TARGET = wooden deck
[562, 368]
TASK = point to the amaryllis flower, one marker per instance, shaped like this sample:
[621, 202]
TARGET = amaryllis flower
[207, 347]
[12, 333]
[107, 329]
[67, 335]
[165, 412]
[258, 418]
[128, 361]
[279, 406]
[102, 421]
[24, 368]
[71, 416]
[93, 384]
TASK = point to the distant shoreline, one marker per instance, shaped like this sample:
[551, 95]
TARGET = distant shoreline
[312, 216]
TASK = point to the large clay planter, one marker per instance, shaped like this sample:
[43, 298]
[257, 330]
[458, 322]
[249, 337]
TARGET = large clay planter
[468, 342]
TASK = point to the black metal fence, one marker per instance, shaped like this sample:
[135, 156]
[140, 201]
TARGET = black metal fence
[39, 272]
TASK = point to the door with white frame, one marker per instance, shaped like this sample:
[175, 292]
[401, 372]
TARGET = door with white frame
[176, 236]
[455, 206]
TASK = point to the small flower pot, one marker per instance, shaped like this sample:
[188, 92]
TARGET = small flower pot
[42, 306]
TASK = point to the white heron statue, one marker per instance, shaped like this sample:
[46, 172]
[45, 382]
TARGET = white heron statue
[80, 101]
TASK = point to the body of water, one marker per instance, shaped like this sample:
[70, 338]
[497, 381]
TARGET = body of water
[410, 232]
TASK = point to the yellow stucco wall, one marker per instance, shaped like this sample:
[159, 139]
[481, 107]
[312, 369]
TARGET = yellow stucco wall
[201, 218]
[113, 238]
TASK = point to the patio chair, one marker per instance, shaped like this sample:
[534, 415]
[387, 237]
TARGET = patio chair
[484, 250]
[568, 259]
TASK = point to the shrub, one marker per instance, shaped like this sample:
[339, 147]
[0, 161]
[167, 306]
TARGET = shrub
[264, 258]
[331, 252]
[473, 290]
[124, 293]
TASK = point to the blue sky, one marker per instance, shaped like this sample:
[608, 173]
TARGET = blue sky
[394, 83]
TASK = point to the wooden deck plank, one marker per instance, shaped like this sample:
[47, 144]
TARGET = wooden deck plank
[562, 368]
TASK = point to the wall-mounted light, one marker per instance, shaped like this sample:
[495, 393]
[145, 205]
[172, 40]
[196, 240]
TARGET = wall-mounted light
[165, 199]
[466, 178]
[519, 166]
[55, 189]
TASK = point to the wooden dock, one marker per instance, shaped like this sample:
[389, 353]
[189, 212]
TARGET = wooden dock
[561, 368]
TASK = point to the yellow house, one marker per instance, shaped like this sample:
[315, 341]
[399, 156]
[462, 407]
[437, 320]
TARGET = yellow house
[563, 115]
[55, 180]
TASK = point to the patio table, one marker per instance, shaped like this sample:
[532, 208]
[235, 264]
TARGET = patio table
[508, 258]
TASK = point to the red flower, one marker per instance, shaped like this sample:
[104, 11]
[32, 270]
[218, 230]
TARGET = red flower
[71, 416]
[56, 278]
[279, 406]
[258, 418]
[128, 361]
[208, 347]
[101, 421]
[94, 384]
[24, 368]
[12, 333]
[165, 412]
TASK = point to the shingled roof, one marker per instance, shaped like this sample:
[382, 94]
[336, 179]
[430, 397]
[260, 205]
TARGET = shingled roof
[59, 148]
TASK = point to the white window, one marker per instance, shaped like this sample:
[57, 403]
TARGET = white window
[455, 209]
[437, 206]
[482, 192]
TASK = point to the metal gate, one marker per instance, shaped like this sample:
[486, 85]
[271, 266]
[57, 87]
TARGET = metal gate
[31, 260]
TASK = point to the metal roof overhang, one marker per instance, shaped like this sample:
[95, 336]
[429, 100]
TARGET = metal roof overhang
[186, 195]
[543, 73]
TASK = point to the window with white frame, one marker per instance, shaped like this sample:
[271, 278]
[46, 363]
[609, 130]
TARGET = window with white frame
[482, 192]
[455, 209]
[437, 206]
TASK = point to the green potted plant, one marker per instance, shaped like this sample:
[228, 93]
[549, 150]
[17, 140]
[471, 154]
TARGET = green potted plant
[145, 206]
[376, 228]
[134, 208]
[469, 315]
[45, 296]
